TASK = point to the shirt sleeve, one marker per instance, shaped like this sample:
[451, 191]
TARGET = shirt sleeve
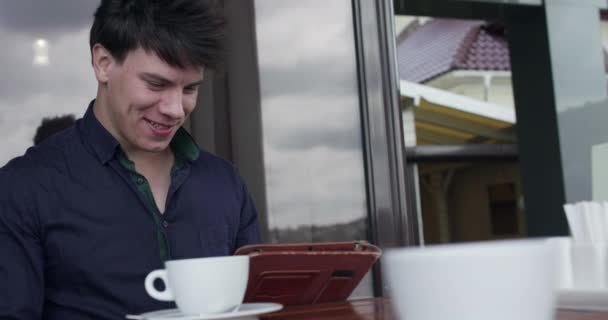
[21, 257]
[249, 231]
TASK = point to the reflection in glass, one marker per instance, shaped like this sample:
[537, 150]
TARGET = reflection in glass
[581, 99]
[455, 85]
[464, 202]
[311, 121]
[45, 67]
[41, 52]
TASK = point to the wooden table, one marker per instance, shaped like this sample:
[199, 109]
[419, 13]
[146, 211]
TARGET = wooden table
[381, 309]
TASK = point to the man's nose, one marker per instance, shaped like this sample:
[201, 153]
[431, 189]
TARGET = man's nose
[172, 105]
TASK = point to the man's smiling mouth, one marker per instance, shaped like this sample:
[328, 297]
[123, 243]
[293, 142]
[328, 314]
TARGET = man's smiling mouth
[157, 125]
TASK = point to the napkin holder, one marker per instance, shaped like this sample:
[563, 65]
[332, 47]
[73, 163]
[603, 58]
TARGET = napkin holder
[307, 273]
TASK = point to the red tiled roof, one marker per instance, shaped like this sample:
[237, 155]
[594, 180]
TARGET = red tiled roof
[443, 45]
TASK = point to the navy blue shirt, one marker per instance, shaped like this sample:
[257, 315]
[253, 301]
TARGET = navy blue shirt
[77, 237]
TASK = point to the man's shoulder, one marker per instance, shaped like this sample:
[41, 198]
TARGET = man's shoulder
[212, 161]
[51, 153]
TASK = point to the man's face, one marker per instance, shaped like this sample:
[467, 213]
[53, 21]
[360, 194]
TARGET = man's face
[148, 100]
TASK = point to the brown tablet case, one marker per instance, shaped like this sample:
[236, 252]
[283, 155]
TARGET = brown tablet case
[307, 273]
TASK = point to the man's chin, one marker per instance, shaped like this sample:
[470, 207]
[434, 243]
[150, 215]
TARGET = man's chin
[156, 147]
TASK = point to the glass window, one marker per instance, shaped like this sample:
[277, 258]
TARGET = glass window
[311, 120]
[455, 85]
[581, 98]
[45, 67]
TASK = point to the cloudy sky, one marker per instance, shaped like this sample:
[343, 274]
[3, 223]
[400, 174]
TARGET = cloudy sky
[310, 111]
[29, 92]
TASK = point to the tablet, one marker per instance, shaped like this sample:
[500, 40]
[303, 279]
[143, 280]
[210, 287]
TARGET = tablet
[307, 273]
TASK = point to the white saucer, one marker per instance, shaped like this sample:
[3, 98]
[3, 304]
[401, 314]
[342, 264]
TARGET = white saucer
[578, 299]
[245, 310]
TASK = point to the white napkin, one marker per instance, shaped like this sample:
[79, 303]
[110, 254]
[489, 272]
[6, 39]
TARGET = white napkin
[588, 221]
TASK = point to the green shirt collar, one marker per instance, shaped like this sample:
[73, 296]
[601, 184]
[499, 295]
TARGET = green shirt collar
[183, 146]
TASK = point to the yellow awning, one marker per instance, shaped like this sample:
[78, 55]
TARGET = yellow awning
[442, 117]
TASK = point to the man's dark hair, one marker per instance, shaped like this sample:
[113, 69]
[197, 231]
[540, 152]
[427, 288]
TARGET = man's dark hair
[50, 126]
[183, 33]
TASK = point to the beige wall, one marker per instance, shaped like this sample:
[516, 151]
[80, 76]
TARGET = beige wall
[468, 204]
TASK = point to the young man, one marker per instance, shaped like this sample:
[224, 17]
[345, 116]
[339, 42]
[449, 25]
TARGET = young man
[88, 213]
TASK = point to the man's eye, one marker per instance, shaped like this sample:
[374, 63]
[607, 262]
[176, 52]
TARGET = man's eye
[155, 85]
[190, 89]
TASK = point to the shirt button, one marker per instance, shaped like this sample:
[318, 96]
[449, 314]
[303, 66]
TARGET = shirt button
[165, 224]
[140, 180]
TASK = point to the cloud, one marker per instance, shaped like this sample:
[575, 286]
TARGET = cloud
[290, 32]
[28, 93]
[49, 17]
[319, 76]
[308, 74]
[69, 66]
[297, 122]
[311, 113]
[320, 186]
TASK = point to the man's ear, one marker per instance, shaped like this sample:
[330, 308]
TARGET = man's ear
[102, 62]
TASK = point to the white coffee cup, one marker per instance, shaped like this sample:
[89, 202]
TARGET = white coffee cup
[202, 285]
[498, 280]
[563, 263]
[589, 265]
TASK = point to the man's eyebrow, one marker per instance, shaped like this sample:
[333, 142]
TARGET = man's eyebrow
[154, 77]
[196, 83]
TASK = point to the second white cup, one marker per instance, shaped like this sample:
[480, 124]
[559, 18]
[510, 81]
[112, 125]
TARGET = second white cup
[588, 266]
[498, 280]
